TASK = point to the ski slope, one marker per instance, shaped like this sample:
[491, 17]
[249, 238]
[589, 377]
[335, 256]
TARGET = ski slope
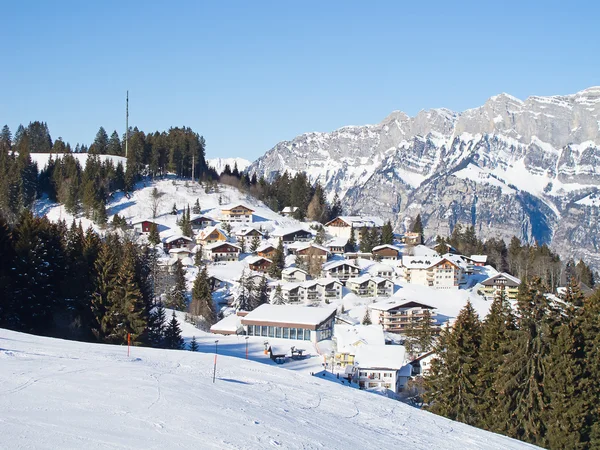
[64, 394]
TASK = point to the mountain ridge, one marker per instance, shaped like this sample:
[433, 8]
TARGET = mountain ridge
[537, 157]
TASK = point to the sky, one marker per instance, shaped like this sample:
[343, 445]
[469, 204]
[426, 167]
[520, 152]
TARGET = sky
[247, 75]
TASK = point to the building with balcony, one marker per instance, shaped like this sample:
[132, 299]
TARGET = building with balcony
[396, 316]
[387, 251]
[368, 286]
[502, 282]
[236, 214]
[348, 338]
[342, 226]
[382, 366]
[438, 273]
[341, 270]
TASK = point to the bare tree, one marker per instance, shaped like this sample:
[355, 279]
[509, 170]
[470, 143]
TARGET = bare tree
[155, 201]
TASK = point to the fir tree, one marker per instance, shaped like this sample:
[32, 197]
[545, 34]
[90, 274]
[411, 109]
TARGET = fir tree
[242, 244]
[177, 296]
[202, 304]
[186, 223]
[194, 344]
[173, 339]
[367, 318]
[156, 326]
[278, 296]
[153, 236]
[174, 209]
[261, 296]
[351, 244]
[417, 226]
[451, 381]
[278, 261]
[441, 246]
[243, 300]
[254, 244]
[387, 233]
[198, 256]
[196, 209]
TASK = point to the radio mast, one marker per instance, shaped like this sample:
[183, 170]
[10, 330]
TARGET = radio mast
[126, 123]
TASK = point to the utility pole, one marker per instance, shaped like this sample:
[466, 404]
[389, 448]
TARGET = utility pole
[193, 165]
[126, 123]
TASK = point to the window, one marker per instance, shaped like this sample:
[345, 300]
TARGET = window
[292, 333]
[263, 331]
[286, 333]
[250, 330]
[278, 332]
[363, 374]
[271, 331]
[300, 333]
[307, 335]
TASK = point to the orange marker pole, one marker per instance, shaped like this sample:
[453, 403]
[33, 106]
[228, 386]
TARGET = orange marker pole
[128, 343]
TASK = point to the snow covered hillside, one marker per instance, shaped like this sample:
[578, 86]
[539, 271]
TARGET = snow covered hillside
[219, 163]
[62, 394]
[42, 158]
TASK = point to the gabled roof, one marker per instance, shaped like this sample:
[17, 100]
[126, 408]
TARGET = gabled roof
[292, 314]
[359, 221]
[201, 216]
[380, 267]
[235, 205]
[256, 259]
[215, 245]
[381, 247]
[348, 338]
[291, 270]
[389, 305]
[265, 247]
[289, 209]
[337, 242]
[333, 264]
[175, 237]
[180, 250]
[380, 357]
[246, 230]
[482, 259]
[285, 231]
[208, 230]
[513, 281]
[143, 220]
[306, 246]
[328, 281]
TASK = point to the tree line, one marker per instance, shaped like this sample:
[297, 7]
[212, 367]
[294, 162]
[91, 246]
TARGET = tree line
[531, 374]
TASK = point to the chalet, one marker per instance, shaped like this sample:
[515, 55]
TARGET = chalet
[358, 255]
[177, 241]
[342, 270]
[382, 270]
[382, 366]
[222, 251]
[294, 275]
[211, 235]
[167, 265]
[291, 322]
[248, 233]
[143, 226]
[323, 289]
[422, 364]
[396, 317]
[387, 251]
[291, 293]
[237, 214]
[411, 238]
[367, 286]
[337, 246]
[330, 289]
[200, 222]
[502, 282]
[348, 338]
[294, 235]
[342, 226]
[180, 253]
[313, 251]
[259, 264]
[477, 260]
[438, 273]
[216, 283]
[289, 211]
[266, 251]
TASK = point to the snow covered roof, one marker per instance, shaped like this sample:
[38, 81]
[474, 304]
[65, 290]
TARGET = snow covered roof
[290, 314]
[380, 356]
[482, 259]
[360, 221]
[255, 259]
[348, 338]
[228, 324]
[337, 242]
[305, 246]
[328, 281]
[175, 237]
[135, 222]
[187, 261]
[265, 247]
[365, 278]
[419, 262]
[201, 216]
[292, 270]
[380, 267]
[220, 243]
[381, 247]
[490, 281]
[244, 231]
[231, 206]
[208, 230]
[289, 209]
[421, 250]
[388, 305]
[333, 264]
[180, 250]
[456, 259]
[285, 231]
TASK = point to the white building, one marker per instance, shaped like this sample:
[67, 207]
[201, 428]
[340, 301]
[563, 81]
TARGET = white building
[396, 316]
[290, 322]
[382, 270]
[342, 270]
[438, 273]
[294, 275]
[382, 366]
[348, 338]
[324, 289]
[342, 226]
[368, 286]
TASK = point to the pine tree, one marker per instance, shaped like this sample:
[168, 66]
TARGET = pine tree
[497, 331]
[254, 244]
[351, 244]
[174, 209]
[177, 297]
[278, 296]
[202, 304]
[242, 244]
[198, 256]
[194, 344]
[153, 236]
[261, 296]
[186, 224]
[451, 382]
[418, 225]
[426, 331]
[387, 233]
[441, 246]
[278, 261]
[157, 325]
[367, 318]
[196, 209]
[243, 300]
[173, 339]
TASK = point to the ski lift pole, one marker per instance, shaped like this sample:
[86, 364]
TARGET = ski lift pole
[128, 343]
[215, 365]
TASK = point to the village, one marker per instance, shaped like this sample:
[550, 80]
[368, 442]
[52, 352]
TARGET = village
[354, 317]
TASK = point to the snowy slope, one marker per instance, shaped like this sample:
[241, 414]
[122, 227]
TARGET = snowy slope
[42, 158]
[62, 394]
[219, 163]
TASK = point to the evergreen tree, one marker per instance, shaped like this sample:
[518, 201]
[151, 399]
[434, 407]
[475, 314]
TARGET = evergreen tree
[100, 145]
[278, 296]
[336, 207]
[174, 209]
[367, 318]
[202, 304]
[451, 381]
[196, 209]
[351, 244]
[417, 226]
[261, 297]
[153, 236]
[387, 233]
[173, 339]
[254, 244]
[105, 306]
[198, 256]
[278, 261]
[177, 296]
[186, 225]
[194, 344]
[114, 145]
[441, 246]
[243, 300]
[242, 244]
[157, 325]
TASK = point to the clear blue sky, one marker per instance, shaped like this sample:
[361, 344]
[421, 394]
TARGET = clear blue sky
[247, 75]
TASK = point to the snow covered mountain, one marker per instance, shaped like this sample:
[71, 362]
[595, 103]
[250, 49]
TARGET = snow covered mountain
[219, 163]
[65, 394]
[510, 167]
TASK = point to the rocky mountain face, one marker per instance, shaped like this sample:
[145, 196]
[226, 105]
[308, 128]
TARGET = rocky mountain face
[510, 167]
